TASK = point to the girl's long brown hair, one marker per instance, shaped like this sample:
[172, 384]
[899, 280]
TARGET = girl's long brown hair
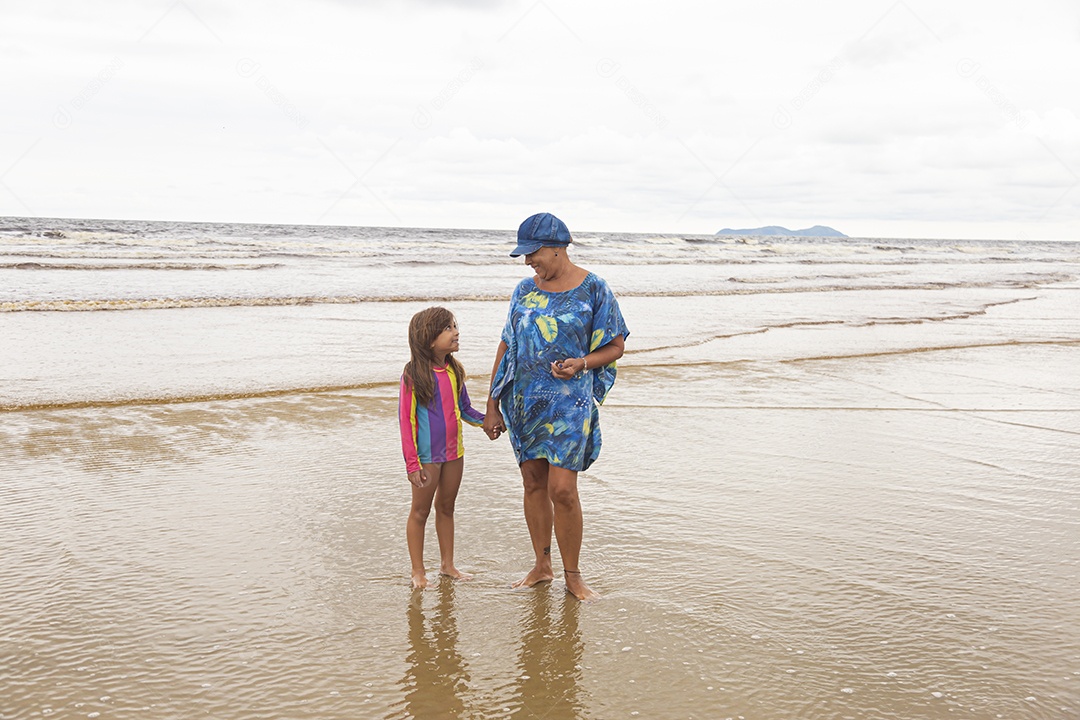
[424, 327]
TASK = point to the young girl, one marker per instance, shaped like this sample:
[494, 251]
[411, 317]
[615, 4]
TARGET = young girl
[431, 406]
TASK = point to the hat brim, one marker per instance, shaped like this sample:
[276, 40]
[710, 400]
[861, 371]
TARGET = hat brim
[526, 248]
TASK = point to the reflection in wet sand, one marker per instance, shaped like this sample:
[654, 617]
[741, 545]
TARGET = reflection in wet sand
[549, 660]
[436, 678]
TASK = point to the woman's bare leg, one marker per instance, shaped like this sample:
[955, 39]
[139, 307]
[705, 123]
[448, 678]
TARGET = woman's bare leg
[539, 516]
[418, 515]
[563, 491]
[445, 496]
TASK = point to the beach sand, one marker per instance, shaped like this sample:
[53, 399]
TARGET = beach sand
[865, 534]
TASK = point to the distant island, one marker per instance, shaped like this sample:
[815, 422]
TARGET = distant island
[816, 231]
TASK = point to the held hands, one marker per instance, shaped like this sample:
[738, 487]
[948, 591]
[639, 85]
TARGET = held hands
[567, 369]
[493, 421]
[494, 425]
[418, 478]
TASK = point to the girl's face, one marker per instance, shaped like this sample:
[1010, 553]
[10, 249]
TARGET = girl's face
[447, 341]
[543, 262]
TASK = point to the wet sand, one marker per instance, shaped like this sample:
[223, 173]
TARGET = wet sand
[889, 534]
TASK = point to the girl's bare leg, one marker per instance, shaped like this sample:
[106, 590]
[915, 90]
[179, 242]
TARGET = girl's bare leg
[539, 516]
[418, 515]
[563, 491]
[445, 496]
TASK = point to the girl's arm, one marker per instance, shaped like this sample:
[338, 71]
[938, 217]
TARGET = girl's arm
[408, 425]
[493, 419]
[468, 413]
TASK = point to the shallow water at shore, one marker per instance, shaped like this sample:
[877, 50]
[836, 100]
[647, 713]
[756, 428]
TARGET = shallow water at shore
[897, 539]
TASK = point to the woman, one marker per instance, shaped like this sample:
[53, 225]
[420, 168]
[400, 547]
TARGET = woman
[555, 362]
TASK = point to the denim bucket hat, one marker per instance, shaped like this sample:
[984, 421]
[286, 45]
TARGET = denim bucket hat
[540, 230]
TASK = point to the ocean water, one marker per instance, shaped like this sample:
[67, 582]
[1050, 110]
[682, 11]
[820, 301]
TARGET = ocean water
[839, 479]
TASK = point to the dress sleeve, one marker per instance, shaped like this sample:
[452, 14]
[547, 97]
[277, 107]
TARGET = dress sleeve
[508, 328]
[408, 425]
[468, 413]
[504, 374]
[608, 324]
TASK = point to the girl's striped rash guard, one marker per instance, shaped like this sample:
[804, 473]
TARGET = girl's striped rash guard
[432, 433]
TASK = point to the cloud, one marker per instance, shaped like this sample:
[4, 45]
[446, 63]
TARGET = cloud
[469, 113]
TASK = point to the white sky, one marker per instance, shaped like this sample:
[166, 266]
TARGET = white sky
[883, 119]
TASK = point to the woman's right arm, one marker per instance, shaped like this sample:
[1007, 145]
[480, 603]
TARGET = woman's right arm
[493, 419]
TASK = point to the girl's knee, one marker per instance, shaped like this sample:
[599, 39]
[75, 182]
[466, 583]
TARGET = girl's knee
[419, 514]
[445, 506]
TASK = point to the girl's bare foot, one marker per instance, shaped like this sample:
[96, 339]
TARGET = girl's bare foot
[419, 581]
[577, 587]
[536, 576]
[453, 572]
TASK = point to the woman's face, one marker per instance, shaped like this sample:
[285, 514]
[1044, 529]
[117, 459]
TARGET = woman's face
[544, 261]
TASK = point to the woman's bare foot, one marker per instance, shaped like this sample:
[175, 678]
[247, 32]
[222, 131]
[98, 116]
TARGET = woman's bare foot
[419, 581]
[536, 576]
[453, 572]
[577, 587]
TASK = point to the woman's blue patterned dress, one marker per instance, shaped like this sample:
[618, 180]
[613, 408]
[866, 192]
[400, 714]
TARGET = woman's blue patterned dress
[546, 417]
